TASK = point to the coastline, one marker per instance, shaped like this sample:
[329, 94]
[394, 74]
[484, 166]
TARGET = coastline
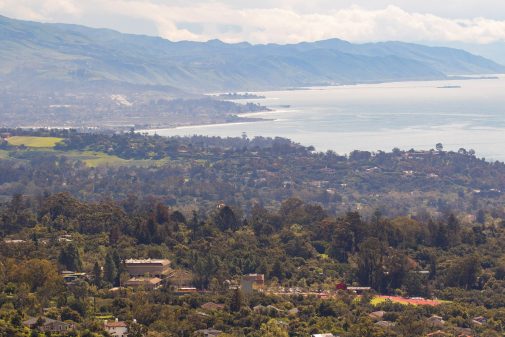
[262, 116]
[208, 125]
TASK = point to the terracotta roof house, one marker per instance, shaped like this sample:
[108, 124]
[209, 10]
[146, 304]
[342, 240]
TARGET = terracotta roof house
[116, 328]
[45, 324]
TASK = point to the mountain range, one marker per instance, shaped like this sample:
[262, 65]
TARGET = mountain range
[60, 55]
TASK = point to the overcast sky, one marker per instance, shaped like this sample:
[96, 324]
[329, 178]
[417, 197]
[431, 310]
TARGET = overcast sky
[280, 21]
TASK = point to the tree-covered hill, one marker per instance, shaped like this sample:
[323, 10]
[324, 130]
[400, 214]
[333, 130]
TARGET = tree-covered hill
[198, 171]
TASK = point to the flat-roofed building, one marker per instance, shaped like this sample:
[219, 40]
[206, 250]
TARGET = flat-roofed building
[148, 267]
[186, 290]
[148, 283]
[251, 282]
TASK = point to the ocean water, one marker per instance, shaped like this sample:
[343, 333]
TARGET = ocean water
[466, 114]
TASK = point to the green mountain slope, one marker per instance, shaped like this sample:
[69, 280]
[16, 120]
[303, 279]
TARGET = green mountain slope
[57, 54]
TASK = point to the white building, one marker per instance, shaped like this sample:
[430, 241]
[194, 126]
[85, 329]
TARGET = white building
[116, 328]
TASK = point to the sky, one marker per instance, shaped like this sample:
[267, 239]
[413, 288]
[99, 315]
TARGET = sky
[465, 22]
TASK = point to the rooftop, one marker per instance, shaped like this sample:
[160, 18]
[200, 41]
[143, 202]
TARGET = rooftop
[148, 261]
[254, 277]
[144, 280]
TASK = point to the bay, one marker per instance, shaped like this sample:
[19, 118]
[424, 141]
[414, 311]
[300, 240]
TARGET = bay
[467, 113]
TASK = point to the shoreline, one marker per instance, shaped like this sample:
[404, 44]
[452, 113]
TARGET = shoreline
[262, 116]
[209, 125]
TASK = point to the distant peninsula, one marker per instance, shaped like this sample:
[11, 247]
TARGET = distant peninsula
[237, 96]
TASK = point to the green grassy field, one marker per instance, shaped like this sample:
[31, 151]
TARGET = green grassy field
[95, 159]
[35, 142]
[44, 145]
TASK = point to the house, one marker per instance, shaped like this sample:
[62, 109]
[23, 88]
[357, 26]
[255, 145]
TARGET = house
[45, 324]
[436, 321]
[377, 315]
[116, 328]
[208, 332]
[72, 277]
[464, 332]
[252, 282]
[359, 290]
[262, 309]
[186, 290]
[149, 283]
[385, 324]
[152, 267]
[65, 238]
[479, 320]
[14, 241]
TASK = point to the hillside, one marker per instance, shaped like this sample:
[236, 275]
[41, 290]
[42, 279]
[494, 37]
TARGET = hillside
[59, 55]
[397, 244]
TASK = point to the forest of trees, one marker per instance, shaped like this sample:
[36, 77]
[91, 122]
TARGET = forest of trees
[201, 171]
[298, 245]
[222, 208]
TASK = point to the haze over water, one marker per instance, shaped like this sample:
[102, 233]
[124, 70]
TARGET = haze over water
[381, 117]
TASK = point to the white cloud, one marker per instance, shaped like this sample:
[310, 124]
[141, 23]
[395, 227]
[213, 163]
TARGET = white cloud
[285, 23]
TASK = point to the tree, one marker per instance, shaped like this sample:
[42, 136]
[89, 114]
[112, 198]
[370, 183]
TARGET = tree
[177, 217]
[439, 147]
[193, 225]
[136, 330]
[454, 230]
[226, 219]
[342, 243]
[114, 235]
[273, 328]
[278, 270]
[370, 263]
[236, 301]
[464, 272]
[204, 269]
[110, 271]
[481, 217]
[70, 257]
[97, 275]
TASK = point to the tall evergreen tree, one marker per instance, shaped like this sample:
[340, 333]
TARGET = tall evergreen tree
[97, 275]
[236, 301]
[110, 272]
[70, 257]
